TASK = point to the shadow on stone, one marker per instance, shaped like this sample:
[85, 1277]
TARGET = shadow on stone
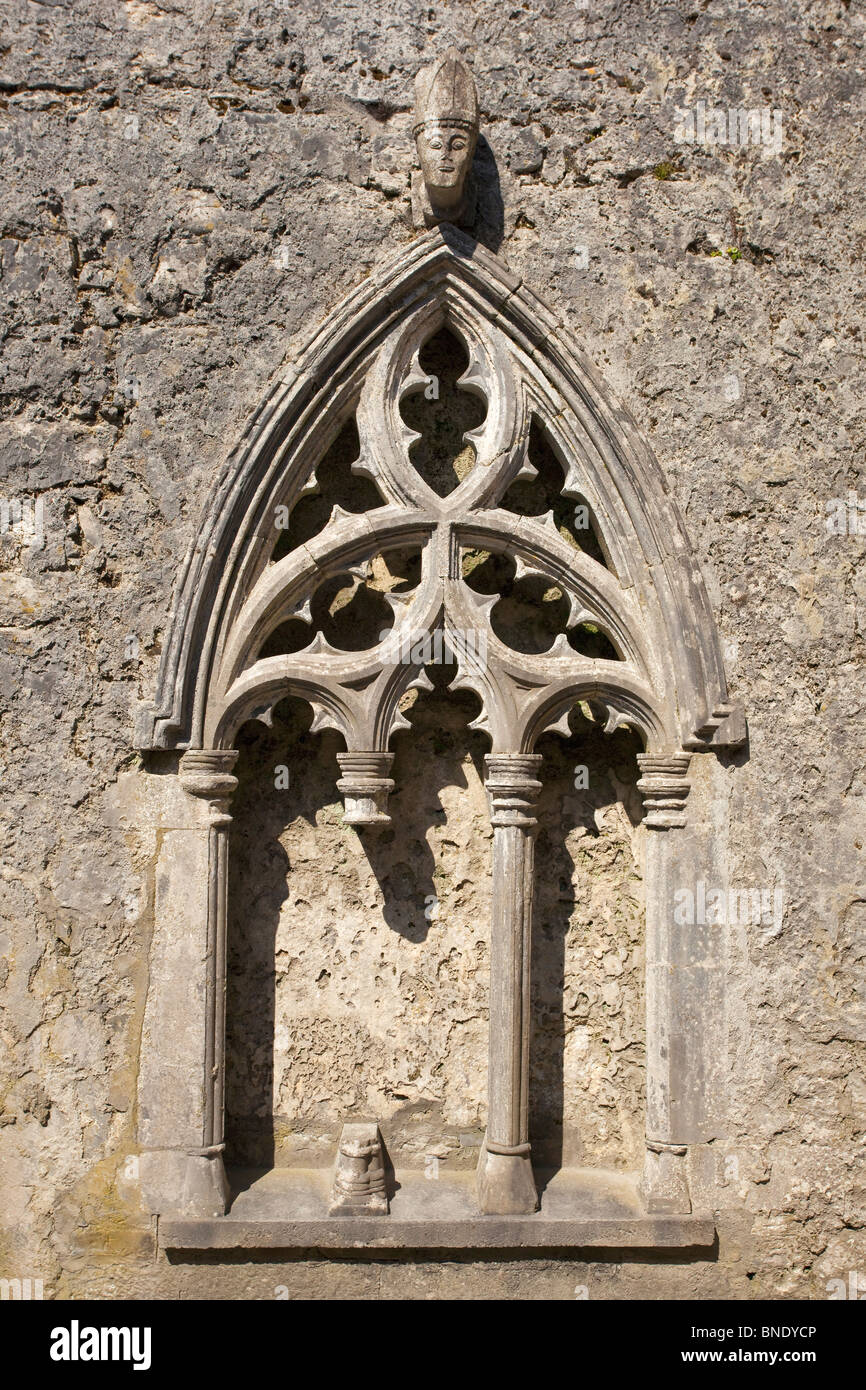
[580, 908]
[259, 870]
[490, 216]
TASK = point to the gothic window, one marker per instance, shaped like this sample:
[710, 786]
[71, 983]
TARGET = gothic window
[440, 465]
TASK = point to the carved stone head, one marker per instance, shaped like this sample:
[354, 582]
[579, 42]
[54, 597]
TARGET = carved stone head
[446, 130]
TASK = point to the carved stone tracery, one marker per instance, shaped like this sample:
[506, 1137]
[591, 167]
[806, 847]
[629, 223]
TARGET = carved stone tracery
[649, 602]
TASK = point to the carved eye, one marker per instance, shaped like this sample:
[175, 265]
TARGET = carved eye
[458, 143]
[435, 143]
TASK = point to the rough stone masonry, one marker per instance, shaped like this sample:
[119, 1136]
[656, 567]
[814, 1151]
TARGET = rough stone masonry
[188, 191]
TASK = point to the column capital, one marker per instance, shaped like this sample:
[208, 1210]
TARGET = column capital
[664, 788]
[206, 773]
[513, 787]
[365, 786]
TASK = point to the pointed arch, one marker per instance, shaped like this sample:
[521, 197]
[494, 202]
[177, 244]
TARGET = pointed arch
[364, 358]
[237, 590]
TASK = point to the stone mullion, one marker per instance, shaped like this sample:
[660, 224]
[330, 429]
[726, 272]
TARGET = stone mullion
[506, 1185]
[214, 1137]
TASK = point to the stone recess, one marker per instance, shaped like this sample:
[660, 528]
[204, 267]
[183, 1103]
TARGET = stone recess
[187, 193]
[648, 601]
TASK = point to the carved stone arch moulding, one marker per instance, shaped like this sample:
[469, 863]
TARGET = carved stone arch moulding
[647, 599]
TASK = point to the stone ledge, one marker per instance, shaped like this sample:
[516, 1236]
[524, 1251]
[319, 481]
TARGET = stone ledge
[484, 1232]
[288, 1209]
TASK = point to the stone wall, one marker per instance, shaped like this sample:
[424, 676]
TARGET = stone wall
[188, 190]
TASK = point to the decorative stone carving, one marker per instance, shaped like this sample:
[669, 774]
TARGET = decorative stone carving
[664, 789]
[725, 728]
[365, 787]
[207, 773]
[649, 601]
[359, 1173]
[445, 133]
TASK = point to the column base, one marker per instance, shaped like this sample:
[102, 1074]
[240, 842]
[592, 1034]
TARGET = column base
[505, 1183]
[359, 1173]
[193, 1185]
[664, 1185]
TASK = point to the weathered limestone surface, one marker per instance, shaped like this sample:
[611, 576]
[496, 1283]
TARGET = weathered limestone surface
[187, 193]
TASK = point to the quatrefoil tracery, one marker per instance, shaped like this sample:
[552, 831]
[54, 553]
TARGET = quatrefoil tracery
[235, 588]
[358, 692]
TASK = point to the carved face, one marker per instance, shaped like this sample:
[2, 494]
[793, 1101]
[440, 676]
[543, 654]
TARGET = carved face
[445, 153]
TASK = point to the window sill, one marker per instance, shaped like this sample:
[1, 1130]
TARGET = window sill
[287, 1209]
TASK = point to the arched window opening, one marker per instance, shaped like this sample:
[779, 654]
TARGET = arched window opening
[463, 622]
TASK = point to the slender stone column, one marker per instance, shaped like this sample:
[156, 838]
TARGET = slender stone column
[664, 787]
[182, 1081]
[505, 1182]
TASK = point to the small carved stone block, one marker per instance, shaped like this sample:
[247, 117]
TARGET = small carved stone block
[359, 1175]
